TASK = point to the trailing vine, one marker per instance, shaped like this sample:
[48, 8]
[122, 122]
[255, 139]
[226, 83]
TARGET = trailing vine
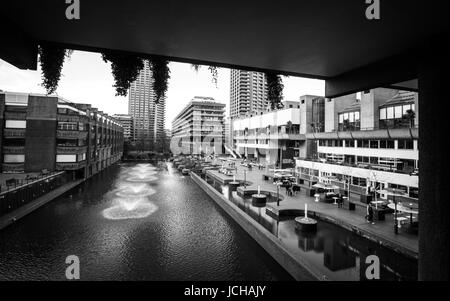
[125, 69]
[275, 88]
[161, 75]
[51, 59]
[214, 72]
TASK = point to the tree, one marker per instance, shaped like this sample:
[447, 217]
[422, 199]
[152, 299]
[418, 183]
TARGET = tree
[289, 127]
[409, 117]
[275, 89]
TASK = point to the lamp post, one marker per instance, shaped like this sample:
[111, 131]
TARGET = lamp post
[395, 215]
[245, 178]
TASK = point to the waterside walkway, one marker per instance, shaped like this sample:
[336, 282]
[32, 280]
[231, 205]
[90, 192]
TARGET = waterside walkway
[381, 232]
[11, 217]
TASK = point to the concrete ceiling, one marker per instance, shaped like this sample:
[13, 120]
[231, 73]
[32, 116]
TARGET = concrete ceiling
[315, 38]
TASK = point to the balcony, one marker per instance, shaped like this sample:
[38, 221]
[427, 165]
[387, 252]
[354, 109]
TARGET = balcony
[13, 149]
[68, 118]
[71, 134]
[14, 133]
[368, 133]
[71, 149]
[70, 166]
[13, 167]
[15, 115]
[370, 167]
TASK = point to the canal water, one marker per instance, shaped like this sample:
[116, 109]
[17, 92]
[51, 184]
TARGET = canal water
[332, 252]
[134, 222]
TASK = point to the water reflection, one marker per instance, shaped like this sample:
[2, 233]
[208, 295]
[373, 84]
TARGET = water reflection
[187, 238]
[334, 252]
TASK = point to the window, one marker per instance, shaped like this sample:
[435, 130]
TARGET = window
[66, 158]
[390, 113]
[373, 143]
[68, 126]
[15, 124]
[383, 114]
[14, 158]
[365, 143]
[398, 112]
[405, 144]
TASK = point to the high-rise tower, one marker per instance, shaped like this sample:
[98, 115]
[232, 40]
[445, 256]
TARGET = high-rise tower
[149, 117]
[248, 93]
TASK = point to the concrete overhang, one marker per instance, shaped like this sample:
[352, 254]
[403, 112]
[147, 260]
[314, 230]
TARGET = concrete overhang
[324, 39]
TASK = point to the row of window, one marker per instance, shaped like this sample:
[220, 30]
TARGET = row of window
[376, 144]
[395, 112]
[59, 158]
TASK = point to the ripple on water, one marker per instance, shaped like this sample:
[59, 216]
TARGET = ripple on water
[130, 211]
[142, 179]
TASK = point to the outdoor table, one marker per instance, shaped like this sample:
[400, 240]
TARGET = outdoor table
[335, 198]
[400, 219]
[317, 196]
[404, 209]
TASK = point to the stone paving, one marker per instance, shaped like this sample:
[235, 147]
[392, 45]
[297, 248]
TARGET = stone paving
[383, 230]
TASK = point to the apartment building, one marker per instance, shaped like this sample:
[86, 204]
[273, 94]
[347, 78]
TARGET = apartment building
[277, 137]
[148, 116]
[199, 127]
[127, 123]
[369, 144]
[39, 132]
[248, 93]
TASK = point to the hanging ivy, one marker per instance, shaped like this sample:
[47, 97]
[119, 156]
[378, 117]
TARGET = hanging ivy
[275, 88]
[125, 69]
[196, 67]
[214, 73]
[51, 59]
[161, 75]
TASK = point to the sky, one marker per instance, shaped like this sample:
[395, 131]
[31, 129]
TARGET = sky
[86, 78]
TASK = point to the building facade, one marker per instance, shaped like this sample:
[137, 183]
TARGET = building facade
[369, 144]
[277, 137]
[128, 126]
[47, 133]
[148, 117]
[248, 93]
[199, 127]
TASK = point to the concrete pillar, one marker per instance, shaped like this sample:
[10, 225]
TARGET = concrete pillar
[433, 167]
[2, 110]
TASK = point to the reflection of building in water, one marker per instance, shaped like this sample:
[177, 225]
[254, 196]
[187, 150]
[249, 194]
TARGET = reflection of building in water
[336, 256]
[391, 268]
[306, 241]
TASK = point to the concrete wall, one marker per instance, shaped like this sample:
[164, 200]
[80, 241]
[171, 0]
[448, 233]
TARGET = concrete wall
[370, 102]
[40, 134]
[332, 106]
[299, 269]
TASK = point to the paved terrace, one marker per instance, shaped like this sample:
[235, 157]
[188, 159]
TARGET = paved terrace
[381, 231]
